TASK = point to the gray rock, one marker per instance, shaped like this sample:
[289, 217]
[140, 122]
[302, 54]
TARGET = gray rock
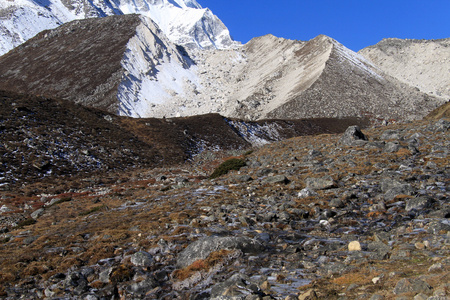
[392, 188]
[391, 147]
[276, 179]
[390, 135]
[237, 286]
[307, 192]
[419, 203]
[142, 287]
[37, 213]
[411, 285]
[202, 248]
[442, 125]
[141, 259]
[322, 183]
[353, 136]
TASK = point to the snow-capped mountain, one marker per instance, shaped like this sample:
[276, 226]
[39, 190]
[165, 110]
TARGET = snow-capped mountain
[184, 22]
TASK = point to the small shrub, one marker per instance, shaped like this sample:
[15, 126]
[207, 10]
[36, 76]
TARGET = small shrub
[226, 166]
[120, 274]
[201, 265]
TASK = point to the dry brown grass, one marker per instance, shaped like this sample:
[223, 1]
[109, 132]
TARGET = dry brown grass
[202, 265]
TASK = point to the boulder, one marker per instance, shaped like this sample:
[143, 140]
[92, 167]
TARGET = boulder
[142, 259]
[202, 248]
[419, 203]
[354, 246]
[237, 286]
[322, 183]
[411, 285]
[276, 179]
[353, 136]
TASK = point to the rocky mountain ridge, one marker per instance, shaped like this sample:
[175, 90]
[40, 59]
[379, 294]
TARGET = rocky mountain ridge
[424, 64]
[184, 22]
[140, 73]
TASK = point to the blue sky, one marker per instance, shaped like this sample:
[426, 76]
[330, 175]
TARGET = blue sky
[354, 23]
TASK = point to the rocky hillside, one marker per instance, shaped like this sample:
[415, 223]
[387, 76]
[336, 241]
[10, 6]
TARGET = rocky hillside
[52, 141]
[359, 215]
[424, 64]
[126, 65]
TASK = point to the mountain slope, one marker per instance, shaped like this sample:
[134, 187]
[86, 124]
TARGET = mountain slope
[350, 85]
[126, 65]
[185, 22]
[424, 64]
[88, 61]
[47, 139]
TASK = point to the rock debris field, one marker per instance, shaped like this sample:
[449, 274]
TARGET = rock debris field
[361, 215]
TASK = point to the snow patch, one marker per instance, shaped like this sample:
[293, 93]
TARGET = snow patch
[154, 74]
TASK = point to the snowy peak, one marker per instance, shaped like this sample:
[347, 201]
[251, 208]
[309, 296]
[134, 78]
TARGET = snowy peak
[184, 22]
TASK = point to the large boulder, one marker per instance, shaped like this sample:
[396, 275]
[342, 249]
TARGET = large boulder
[353, 136]
[202, 248]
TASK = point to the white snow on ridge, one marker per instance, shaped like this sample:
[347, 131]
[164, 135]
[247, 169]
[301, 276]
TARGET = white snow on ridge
[154, 74]
[357, 59]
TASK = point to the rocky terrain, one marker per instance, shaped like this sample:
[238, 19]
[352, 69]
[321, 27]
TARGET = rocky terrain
[127, 66]
[423, 64]
[359, 215]
[51, 141]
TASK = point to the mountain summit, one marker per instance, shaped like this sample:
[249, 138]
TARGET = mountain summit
[184, 22]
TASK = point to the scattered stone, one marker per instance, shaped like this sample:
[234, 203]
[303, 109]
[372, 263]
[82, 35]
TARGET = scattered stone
[37, 213]
[419, 203]
[411, 285]
[322, 183]
[276, 179]
[308, 295]
[354, 246]
[142, 259]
